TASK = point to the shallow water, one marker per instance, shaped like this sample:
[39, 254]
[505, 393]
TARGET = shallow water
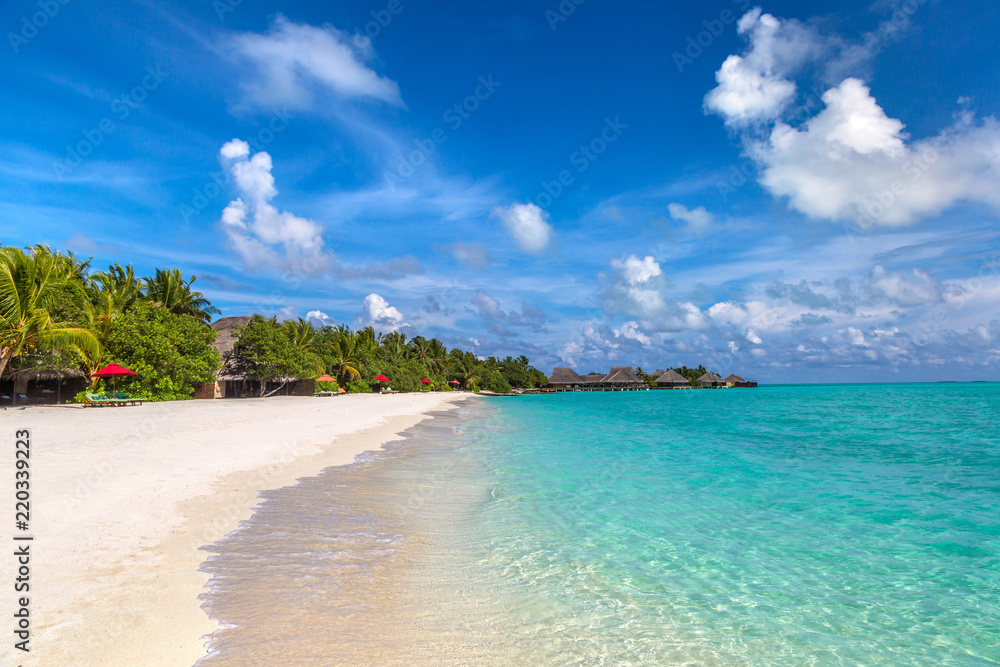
[784, 525]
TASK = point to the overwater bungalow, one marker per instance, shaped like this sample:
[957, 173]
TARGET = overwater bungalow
[671, 379]
[564, 378]
[733, 380]
[592, 379]
[623, 377]
[710, 380]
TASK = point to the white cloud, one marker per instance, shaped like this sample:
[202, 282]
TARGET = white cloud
[295, 61]
[528, 225]
[631, 331]
[851, 162]
[379, 315]
[698, 219]
[255, 228]
[907, 293]
[753, 337]
[321, 317]
[637, 271]
[756, 86]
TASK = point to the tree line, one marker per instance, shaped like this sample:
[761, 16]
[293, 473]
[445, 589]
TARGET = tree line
[57, 313]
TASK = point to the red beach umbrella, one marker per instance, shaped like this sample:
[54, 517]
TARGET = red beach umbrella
[325, 378]
[113, 371]
[425, 381]
[382, 378]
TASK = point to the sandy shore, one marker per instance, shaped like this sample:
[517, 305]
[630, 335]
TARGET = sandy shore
[122, 499]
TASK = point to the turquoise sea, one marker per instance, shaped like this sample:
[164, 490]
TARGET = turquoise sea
[786, 525]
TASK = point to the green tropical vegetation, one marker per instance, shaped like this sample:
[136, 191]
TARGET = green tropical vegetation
[57, 312]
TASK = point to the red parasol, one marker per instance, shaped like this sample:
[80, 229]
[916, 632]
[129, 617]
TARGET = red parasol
[454, 382]
[425, 381]
[382, 378]
[325, 378]
[113, 371]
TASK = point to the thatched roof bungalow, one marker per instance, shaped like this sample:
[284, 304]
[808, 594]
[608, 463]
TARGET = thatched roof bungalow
[622, 376]
[230, 381]
[733, 380]
[592, 378]
[710, 379]
[672, 378]
[564, 378]
[42, 384]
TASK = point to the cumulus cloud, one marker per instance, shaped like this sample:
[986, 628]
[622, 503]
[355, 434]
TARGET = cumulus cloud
[632, 331]
[850, 161]
[502, 322]
[920, 291]
[379, 315]
[294, 63]
[320, 317]
[259, 233]
[756, 86]
[635, 271]
[528, 225]
[697, 219]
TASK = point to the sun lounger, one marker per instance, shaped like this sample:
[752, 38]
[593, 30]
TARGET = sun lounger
[325, 393]
[129, 399]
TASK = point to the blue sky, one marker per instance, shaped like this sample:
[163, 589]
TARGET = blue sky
[788, 192]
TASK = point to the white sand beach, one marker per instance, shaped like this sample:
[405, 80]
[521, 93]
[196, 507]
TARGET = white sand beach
[122, 499]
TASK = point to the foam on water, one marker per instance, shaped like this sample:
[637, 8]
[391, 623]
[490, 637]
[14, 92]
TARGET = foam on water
[786, 525]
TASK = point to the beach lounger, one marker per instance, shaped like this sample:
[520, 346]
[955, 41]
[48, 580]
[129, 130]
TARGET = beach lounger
[129, 399]
[325, 393]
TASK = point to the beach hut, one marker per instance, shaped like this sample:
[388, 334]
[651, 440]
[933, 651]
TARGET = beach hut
[564, 378]
[41, 385]
[623, 377]
[710, 379]
[733, 380]
[671, 379]
[592, 379]
[231, 382]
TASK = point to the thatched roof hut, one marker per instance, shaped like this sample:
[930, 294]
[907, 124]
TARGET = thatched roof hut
[225, 333]
[672, 378]
[564, 377]
[42, 374]
[592, 378]
[732, 377]
[710, 379]
[621, 375]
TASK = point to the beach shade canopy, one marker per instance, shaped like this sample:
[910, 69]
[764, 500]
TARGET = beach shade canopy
[425, 381]
[113, 371]
[454, 382]
[382, 378]
[325, 378]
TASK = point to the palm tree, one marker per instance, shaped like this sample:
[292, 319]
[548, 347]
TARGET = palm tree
[30, 283]
[347, 353]
[170, 290]
[302, 334]
[112, 292]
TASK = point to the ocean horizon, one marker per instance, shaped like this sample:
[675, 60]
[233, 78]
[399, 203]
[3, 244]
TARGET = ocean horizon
[788, 525]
